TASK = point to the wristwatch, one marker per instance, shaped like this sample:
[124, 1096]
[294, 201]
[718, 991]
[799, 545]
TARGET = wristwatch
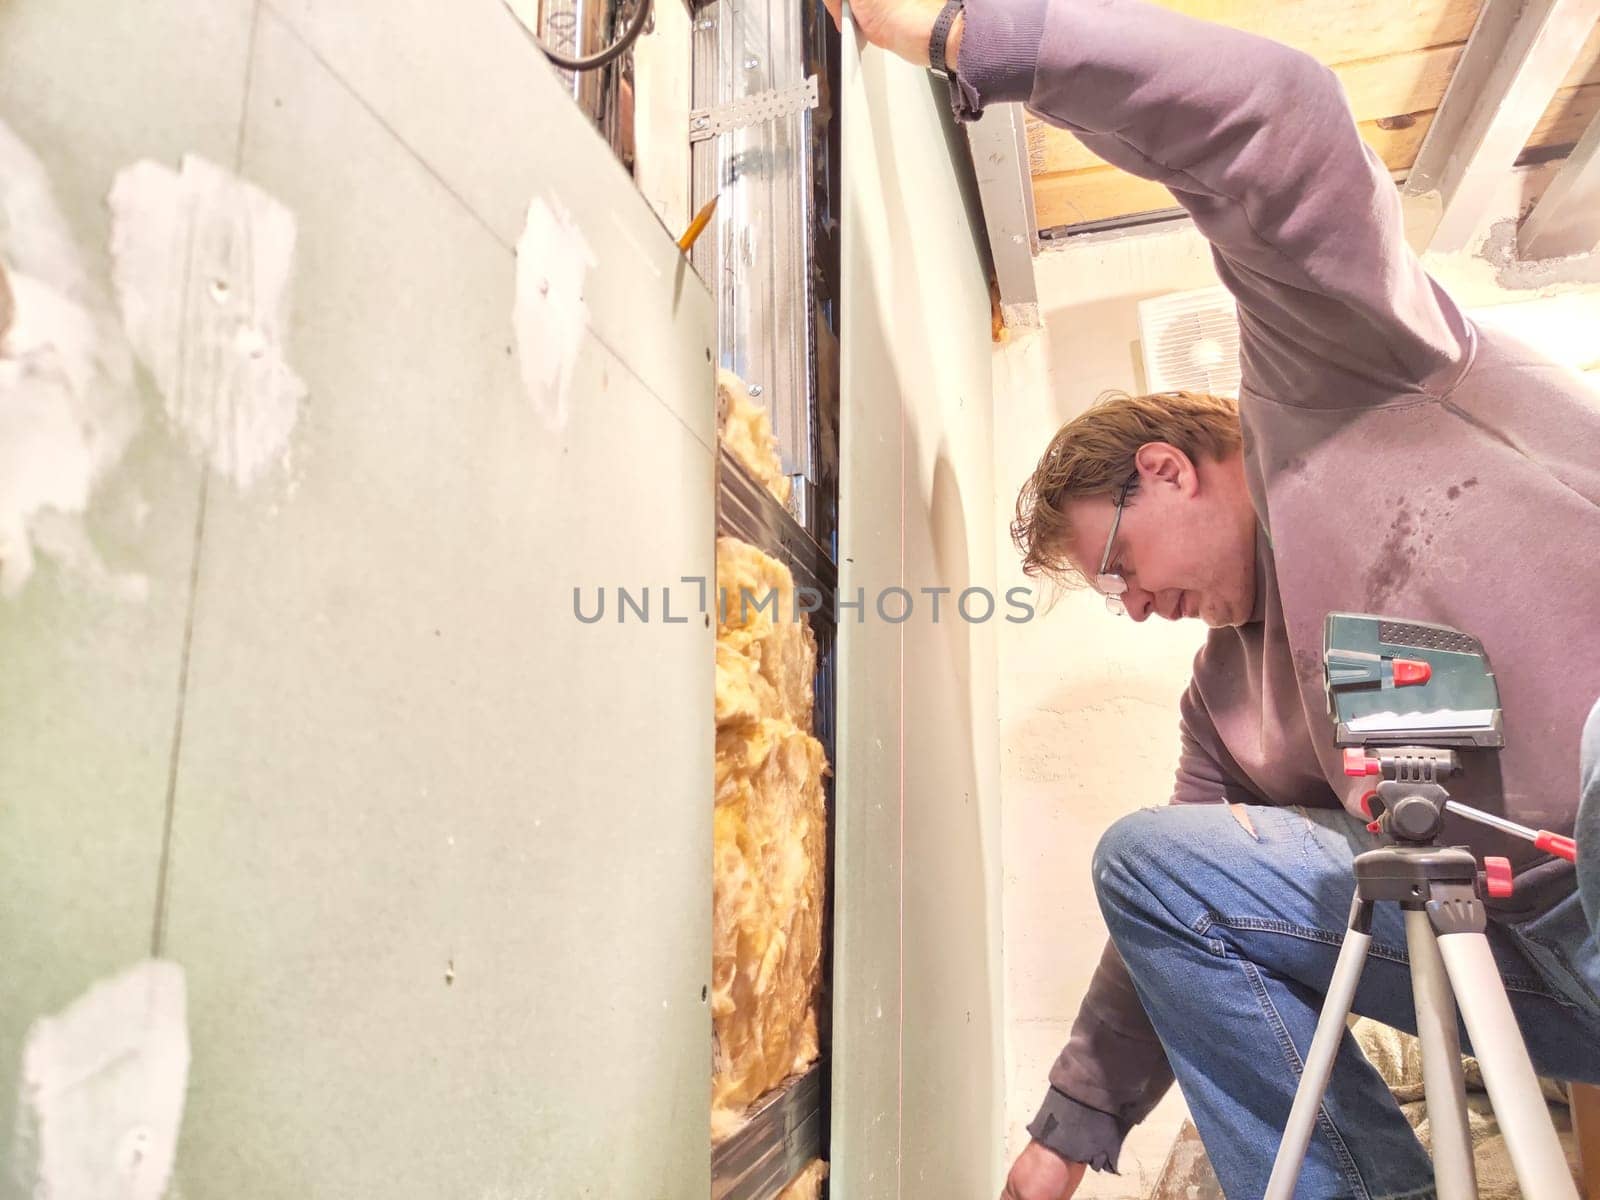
[941, 33]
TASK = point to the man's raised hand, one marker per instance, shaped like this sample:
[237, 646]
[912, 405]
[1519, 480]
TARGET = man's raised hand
[900, 26]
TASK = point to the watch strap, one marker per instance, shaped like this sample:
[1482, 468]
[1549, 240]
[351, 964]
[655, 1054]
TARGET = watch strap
[940, 36]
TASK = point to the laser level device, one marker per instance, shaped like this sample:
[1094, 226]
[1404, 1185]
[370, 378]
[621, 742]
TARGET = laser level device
[1405, 697]
[1397, 682]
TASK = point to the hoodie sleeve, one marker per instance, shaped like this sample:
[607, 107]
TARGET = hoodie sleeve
[1256, 141]
[1113, 1069]
[1108, 1077]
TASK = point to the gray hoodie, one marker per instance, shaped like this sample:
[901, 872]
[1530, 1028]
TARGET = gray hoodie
[1401, 460]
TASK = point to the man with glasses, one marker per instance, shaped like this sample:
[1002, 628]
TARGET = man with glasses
[1387, 456]
[1107, 582]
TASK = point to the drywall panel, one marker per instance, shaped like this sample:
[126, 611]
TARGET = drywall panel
[462, 95]
[469, 96]
[918, 1105]
[864, 1142]
[80, 85]
[90, 677]
[440, 872]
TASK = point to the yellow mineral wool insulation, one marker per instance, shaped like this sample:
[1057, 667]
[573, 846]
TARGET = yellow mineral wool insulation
[769, 838]
[808, 1184]
[746, 431]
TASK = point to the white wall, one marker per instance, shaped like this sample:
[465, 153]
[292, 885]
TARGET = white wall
[1088, 701]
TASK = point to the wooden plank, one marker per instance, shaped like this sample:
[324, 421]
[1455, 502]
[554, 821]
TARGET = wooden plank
[1095, 195]
[1517, 58]
[1103, 192]
[1586, 1132]
[1187, 1173]
[1566, 220]
[1338, 31]
[1562, 124]
[1567, 117]
[1379, 89]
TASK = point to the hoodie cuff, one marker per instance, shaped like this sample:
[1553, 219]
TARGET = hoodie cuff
[1077, 1132]
[999, 49]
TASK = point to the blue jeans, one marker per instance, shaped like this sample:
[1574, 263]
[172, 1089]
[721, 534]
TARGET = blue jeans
[1230, 936]
[1588, 830]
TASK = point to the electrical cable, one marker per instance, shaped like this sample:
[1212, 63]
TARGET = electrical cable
[610, 54]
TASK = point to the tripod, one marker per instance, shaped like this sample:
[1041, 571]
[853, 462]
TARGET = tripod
[1451, 964]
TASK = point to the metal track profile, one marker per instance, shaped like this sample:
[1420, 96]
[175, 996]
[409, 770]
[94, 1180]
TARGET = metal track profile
[747, 510]
[784, 1135]
[764, 140]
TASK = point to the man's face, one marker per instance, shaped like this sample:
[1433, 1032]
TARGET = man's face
[1186, 544]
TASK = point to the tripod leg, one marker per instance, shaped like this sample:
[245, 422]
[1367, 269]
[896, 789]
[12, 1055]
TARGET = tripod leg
[1519, 1105]
[1453, 1171]
[1324, 1046]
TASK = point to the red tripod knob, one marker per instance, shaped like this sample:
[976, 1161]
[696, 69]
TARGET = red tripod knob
[1497, 879]
[1558, 844]
[1357, 764]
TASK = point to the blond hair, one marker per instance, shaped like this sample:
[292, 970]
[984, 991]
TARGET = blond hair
[1093, 455]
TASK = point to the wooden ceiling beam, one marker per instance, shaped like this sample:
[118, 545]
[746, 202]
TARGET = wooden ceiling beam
[1340, 31]
[1102, 192]
[1388, 90]
[1566, 220]
[1515, 61]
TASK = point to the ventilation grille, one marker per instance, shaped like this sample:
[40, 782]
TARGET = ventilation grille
[1428, 637]
[1190, 342]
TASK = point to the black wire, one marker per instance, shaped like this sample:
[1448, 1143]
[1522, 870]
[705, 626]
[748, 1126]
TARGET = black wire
[601, 57]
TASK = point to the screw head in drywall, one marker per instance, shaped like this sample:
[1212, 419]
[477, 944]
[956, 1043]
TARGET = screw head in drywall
[133, 1150]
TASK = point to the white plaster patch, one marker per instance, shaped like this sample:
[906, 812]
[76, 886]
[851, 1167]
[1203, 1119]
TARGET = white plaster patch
[102, 1092]
[553, 260]
[202, 263]
[1022, 316]
[67, 406]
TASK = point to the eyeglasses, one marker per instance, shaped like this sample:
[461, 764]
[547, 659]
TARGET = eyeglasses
[1112, 587]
